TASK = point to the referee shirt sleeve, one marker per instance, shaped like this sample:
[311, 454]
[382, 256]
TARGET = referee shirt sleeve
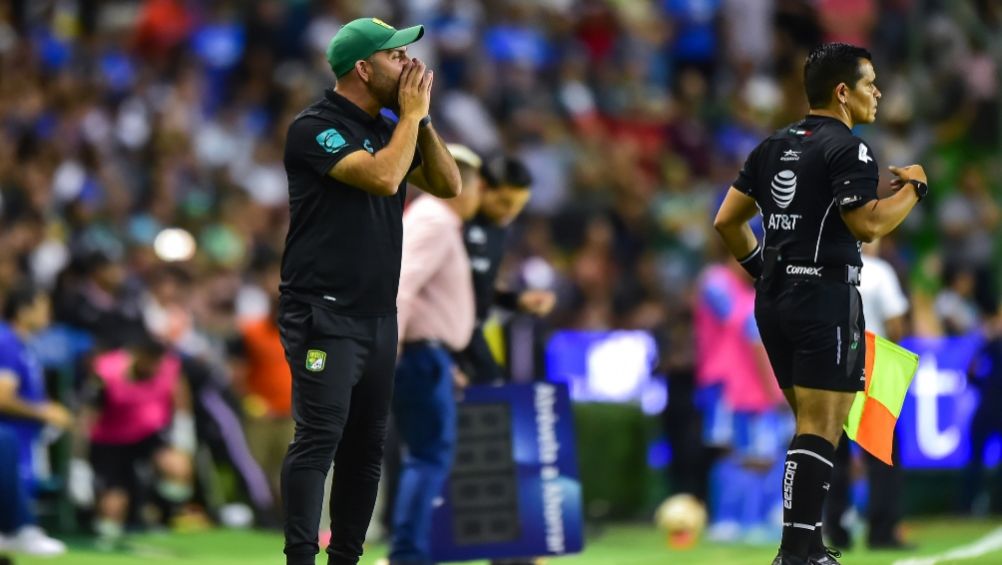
[319, 144]
[853, 173]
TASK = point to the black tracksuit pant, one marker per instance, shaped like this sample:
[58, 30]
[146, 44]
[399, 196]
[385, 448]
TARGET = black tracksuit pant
[342, 382]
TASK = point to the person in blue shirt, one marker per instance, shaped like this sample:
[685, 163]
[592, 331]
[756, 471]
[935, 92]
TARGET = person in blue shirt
[985, 376]
[24, 411]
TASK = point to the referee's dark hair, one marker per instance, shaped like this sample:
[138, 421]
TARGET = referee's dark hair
[828, 65]
[22, 296]
[502, 170]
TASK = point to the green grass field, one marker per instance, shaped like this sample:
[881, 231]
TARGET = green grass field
[618, 545]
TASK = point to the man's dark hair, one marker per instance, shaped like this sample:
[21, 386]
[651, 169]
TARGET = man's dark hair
[94, 260]
[22, 296]
[829, 64]
[502, 170]
[147, 345]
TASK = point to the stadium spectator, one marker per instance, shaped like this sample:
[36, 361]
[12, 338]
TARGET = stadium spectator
[969, 219]
[955, 304]
[132, 397]
[105, 302]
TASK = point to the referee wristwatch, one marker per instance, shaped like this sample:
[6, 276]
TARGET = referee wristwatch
[921, 188]
[424, 121]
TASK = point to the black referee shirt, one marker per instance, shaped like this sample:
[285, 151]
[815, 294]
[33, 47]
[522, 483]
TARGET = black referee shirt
[485, 246]
[799, 177]
[343, 247]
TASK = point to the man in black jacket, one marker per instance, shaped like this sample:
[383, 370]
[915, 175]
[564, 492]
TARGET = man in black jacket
[507, 183]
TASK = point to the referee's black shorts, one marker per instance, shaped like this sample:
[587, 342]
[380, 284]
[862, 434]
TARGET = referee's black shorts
[813, 331]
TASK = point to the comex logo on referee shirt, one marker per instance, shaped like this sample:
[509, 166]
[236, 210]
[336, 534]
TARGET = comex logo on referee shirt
[784, 188]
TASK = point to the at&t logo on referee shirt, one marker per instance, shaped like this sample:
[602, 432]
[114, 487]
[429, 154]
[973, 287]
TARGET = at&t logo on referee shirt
[784, 188]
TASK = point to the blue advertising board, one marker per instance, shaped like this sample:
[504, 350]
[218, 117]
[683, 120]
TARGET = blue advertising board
[933, 428]
[607, 366]
[514, 489]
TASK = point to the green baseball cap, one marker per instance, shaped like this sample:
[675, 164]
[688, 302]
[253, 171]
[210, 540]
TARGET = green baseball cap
[358, 39]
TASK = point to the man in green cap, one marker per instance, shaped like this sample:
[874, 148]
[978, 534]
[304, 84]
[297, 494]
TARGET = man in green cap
[348, 168]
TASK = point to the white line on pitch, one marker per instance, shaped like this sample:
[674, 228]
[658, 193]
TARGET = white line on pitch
[989, 543]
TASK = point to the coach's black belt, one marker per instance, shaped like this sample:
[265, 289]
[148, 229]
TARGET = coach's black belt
[848, 274]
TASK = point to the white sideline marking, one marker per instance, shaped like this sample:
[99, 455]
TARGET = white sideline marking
[989, 543]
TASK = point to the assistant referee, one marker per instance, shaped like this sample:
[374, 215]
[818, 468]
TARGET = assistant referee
[348, 168]
[816, 186]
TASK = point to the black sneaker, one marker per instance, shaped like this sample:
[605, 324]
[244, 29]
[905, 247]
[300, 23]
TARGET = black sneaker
[827, 557]
[786, 558]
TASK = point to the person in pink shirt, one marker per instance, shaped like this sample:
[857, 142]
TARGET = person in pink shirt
[134, 394]
[435, 317]
[728, 348]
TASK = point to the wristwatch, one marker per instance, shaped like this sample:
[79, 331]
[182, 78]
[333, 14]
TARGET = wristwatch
[921, 188]
[424, 121]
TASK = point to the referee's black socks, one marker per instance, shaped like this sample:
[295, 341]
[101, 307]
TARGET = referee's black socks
[806, 477]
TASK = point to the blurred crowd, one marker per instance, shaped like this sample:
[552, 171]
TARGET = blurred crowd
[121, 118]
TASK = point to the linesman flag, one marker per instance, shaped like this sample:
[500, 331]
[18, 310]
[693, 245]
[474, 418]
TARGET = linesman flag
[889, 370]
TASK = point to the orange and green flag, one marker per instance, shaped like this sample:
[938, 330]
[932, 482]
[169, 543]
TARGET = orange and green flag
[889, 371]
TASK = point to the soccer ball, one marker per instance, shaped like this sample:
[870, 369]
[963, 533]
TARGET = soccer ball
[682, 517]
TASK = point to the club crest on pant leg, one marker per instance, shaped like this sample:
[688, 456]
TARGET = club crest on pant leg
[315, 360]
